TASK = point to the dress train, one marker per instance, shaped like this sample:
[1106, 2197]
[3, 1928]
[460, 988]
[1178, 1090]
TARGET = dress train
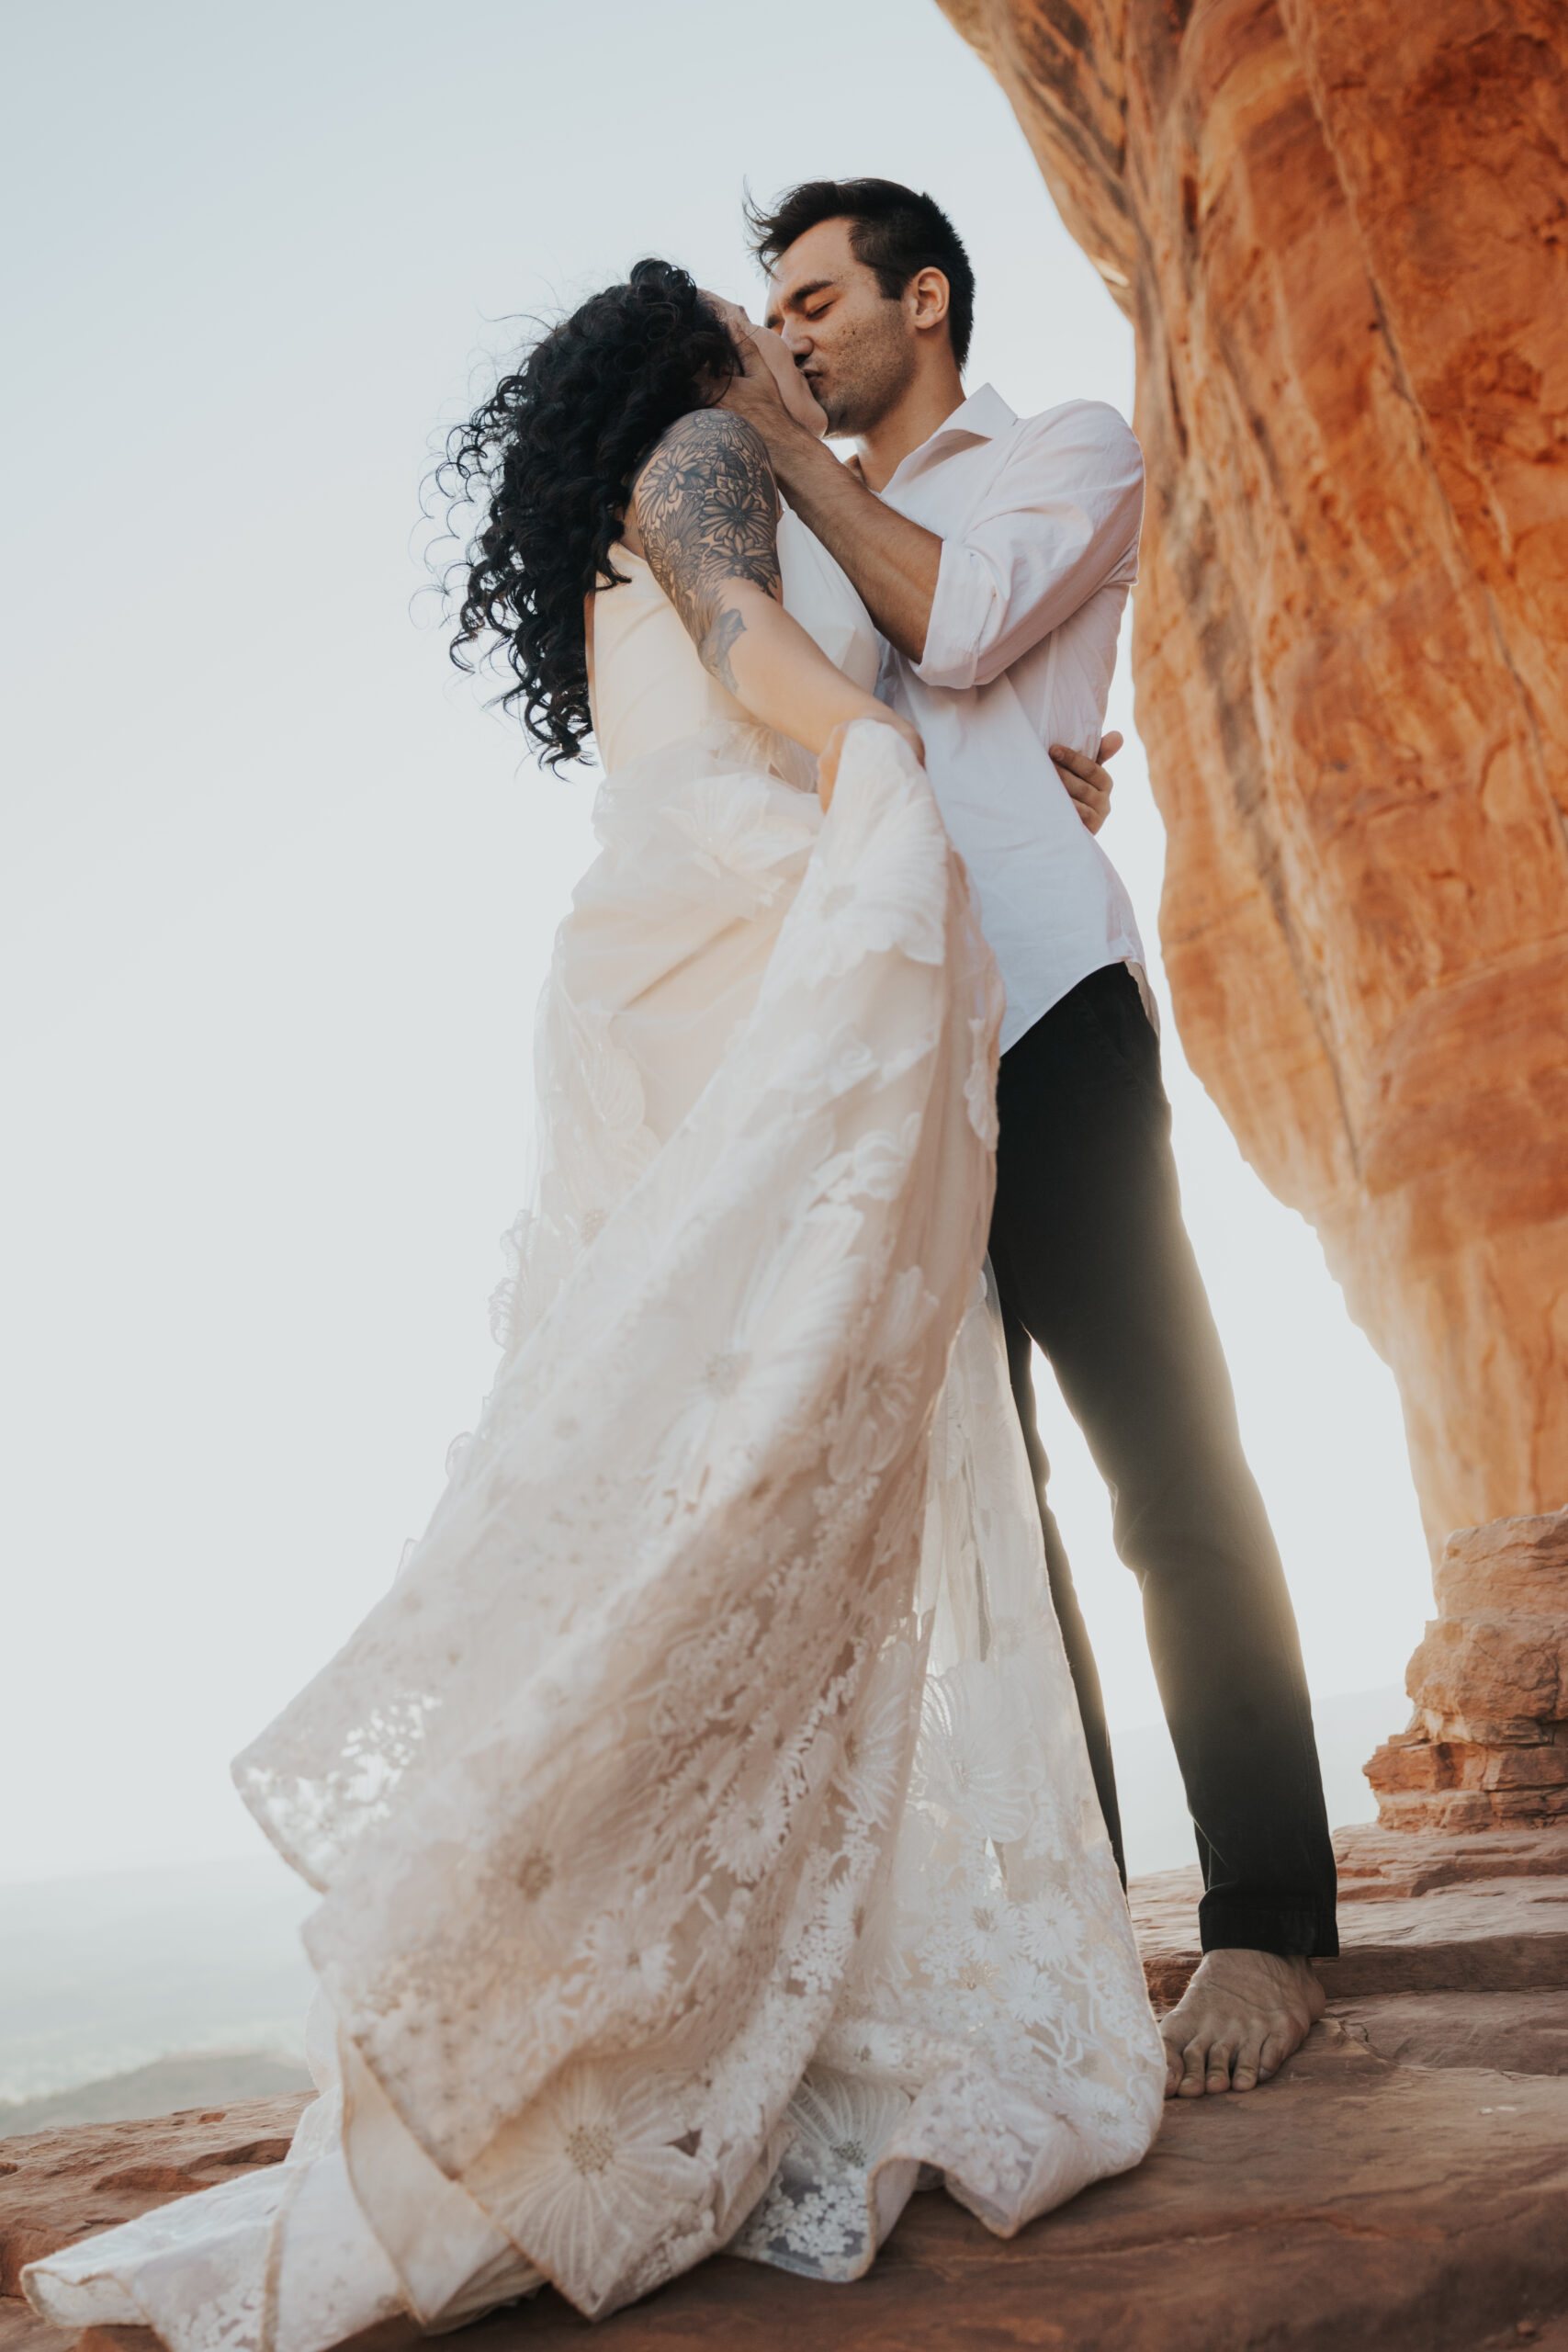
[707, 1840]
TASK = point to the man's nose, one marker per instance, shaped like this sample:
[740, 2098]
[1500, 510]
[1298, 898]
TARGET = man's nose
[797, 339]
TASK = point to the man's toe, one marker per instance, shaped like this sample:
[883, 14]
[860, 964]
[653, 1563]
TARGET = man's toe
[1276, 2049]
[1195, 2067]
[1217, 2074]
[1244, 2073]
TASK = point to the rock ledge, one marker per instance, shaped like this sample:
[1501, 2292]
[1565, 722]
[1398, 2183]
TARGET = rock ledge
[1403, 2183]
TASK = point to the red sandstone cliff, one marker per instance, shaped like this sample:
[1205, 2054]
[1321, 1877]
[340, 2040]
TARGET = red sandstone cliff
[1341, 231]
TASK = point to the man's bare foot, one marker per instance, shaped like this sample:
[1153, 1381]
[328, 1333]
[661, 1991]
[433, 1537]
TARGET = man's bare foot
[1238, 2021]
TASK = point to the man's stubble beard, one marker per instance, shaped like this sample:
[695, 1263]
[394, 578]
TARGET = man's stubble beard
[874, 371]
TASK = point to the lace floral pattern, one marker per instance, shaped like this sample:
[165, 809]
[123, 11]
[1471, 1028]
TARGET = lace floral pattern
[995, 2025]
[704, 1832]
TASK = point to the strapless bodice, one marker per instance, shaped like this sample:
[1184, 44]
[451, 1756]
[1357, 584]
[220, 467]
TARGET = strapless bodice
[649, 687]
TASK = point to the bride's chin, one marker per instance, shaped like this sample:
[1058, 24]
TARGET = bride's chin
[831, 426]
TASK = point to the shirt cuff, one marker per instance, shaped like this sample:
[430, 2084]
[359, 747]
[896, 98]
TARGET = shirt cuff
[959, 608]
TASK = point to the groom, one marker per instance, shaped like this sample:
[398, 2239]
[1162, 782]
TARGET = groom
[995, 555]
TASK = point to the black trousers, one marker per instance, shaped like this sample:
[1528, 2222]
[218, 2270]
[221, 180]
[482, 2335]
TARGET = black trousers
[1093, 1262]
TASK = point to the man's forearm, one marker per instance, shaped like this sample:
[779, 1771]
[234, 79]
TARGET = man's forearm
[891, 561]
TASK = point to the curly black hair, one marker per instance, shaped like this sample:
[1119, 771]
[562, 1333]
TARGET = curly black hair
[551, 457]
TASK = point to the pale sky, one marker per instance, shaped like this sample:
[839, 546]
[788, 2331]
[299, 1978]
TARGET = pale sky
[279, 893]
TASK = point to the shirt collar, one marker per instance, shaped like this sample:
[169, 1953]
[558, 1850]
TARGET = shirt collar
[982, 417]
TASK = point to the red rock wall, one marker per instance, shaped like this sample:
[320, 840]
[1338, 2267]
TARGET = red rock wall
[1341, 231]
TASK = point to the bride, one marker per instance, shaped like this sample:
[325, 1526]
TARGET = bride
[706, 1838]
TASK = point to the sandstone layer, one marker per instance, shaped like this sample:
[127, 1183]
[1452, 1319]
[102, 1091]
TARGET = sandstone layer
[56, 2187]
[1403, 2183]
[1341, 233]
[1488, 1745]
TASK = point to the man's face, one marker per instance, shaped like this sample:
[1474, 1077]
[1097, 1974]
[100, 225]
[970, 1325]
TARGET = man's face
[857, 350]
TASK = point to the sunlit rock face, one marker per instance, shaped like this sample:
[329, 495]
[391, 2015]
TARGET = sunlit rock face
[1341, 233]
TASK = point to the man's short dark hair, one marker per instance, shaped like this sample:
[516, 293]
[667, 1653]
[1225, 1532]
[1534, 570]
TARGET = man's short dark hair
[893, 231]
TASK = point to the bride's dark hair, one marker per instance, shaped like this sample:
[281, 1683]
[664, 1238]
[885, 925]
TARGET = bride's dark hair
[551, 458]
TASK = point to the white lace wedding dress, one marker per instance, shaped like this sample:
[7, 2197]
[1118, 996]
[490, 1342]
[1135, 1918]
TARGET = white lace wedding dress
[704, 1831]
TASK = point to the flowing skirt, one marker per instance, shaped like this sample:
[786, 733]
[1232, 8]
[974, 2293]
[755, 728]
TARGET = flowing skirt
[706, 1842]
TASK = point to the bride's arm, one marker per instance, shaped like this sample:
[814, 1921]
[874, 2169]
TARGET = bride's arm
[706, 509]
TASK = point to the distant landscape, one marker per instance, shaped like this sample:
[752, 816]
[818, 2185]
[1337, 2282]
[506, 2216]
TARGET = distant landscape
[103, 1976]
[140, 1992]
[194, 2078]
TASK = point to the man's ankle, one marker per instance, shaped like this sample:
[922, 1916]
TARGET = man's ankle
[1250, 1964]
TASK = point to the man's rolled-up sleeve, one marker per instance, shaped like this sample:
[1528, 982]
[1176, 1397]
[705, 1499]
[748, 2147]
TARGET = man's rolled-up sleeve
[1061, 518]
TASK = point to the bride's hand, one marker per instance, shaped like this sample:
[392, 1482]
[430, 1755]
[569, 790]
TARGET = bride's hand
[828, 761]
[768, 373]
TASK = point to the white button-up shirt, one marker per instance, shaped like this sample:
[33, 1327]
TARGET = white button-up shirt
[1039, 521]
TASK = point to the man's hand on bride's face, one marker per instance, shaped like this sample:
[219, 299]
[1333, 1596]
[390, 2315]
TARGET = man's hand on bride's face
[771, 387]
[1086, 780]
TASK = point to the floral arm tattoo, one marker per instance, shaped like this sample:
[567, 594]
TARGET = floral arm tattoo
[708, 514]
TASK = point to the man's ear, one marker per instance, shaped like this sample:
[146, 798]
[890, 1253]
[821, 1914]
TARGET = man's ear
[929, 297]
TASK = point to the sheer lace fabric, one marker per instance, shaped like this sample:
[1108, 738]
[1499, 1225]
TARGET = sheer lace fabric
[704, 1826]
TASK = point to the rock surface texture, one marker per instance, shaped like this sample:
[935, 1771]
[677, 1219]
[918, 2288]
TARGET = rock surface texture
[1489, 1742]
[56, 2187]
[1403, 2183]
[1341, 233]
